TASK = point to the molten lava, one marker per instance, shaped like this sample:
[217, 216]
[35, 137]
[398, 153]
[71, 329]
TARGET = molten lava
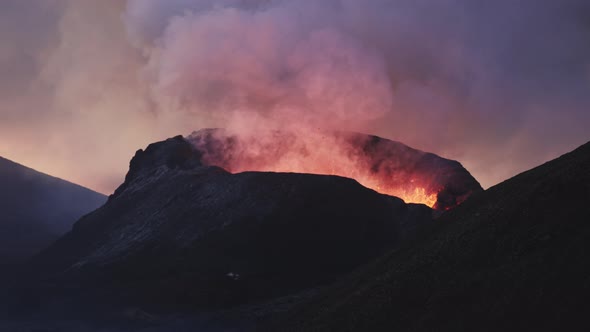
[378, 181]
[387, 167]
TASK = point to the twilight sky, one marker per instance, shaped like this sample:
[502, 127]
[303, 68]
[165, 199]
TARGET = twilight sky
[500, 85]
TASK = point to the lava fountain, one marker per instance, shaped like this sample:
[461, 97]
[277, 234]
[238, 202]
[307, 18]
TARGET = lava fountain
[385, 166]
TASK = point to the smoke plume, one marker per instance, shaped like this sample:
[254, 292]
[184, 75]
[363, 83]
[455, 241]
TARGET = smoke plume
[500, 86]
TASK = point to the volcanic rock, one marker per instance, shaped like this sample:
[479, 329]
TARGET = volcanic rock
[178, 234]
[513, 258]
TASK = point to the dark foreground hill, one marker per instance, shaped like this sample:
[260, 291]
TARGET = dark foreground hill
[515, 257]
[178, 236]
[35, 209]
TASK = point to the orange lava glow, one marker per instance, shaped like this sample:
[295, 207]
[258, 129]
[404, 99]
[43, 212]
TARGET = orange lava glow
[386, 167]
[376, 181]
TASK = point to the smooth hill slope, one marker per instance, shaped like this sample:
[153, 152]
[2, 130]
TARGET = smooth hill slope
[35, 209]
[515, 257]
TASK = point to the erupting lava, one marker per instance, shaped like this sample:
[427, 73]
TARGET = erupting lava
[418, 195]
[385, 166]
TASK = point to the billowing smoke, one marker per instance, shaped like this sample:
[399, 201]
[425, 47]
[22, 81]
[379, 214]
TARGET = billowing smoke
[283, 62]
[500, 86]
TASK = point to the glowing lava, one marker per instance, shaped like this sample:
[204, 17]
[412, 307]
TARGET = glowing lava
[385, 166]
[377, 181]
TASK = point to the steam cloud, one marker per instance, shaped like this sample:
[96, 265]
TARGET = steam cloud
[500, 86]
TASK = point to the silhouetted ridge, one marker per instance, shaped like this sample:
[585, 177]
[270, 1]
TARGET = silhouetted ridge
[36, 209]
[514, 257]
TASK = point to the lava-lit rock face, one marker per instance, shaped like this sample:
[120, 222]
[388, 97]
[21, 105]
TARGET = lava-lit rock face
[386, 166]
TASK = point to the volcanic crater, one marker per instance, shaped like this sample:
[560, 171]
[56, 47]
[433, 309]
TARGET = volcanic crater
[386, 166]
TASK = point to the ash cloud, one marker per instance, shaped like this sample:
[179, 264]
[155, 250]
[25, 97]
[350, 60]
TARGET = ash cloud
[500, 86]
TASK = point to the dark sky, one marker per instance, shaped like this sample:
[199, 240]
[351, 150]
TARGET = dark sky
[499, 85]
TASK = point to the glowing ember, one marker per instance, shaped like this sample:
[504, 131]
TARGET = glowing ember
[382, 165]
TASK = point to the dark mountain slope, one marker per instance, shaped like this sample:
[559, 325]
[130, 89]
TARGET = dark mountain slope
[180, 235]
[35, 209]
[515, 257]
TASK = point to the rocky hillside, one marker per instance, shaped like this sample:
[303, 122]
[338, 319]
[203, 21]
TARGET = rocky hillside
[178, 235]
[514, 257]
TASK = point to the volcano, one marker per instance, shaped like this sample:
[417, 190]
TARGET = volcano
[180, 234]
[386, 166]
[183, 234]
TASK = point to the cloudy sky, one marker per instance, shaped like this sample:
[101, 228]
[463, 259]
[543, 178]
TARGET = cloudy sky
[499, 85]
